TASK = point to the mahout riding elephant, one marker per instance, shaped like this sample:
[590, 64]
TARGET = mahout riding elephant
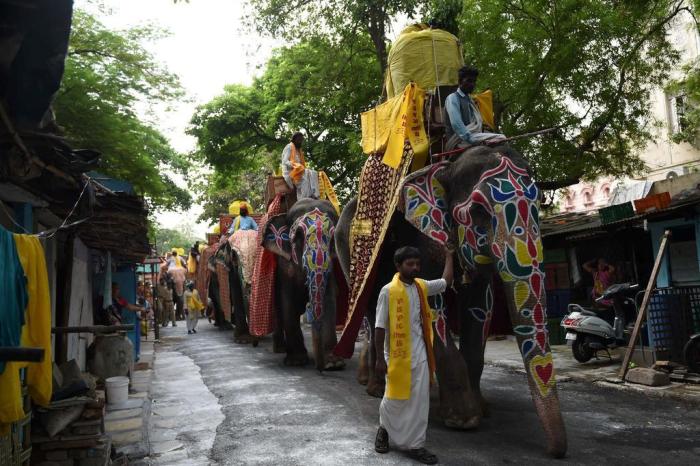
[485, 202]
[302, 240]
[227, 272]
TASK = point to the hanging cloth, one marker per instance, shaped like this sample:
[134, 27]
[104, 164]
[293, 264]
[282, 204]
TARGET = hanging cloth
[13, 293]
[36, 333]
[326, 190]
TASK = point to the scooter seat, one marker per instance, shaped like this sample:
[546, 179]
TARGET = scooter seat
[587, 312]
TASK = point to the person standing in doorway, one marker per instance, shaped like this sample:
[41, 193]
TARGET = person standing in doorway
[603, 274]
[403, 339]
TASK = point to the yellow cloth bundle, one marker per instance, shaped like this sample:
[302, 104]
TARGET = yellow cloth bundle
[428, 57]
[326, 190]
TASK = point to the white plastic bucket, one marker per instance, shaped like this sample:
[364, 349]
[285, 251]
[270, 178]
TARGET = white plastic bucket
[117, 390]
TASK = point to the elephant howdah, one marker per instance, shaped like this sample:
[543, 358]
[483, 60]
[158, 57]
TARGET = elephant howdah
[486, 203]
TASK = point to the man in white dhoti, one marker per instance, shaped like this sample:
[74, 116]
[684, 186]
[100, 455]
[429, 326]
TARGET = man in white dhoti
[295, 172]
[464, 122]
[404, 354]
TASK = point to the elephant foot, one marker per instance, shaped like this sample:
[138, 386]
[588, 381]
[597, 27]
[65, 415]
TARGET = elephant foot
[485, 410]
[376, 390]
[334, 363]
[244, 339]
[463, 424]
[362, 378]
[296, 359]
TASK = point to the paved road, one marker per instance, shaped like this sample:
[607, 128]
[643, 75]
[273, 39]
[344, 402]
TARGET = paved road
[271, 414]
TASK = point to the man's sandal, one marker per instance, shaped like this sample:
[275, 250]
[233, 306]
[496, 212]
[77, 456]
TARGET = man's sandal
[381, 442]
[422, 455]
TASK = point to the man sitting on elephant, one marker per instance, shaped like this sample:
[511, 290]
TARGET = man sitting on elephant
[295, 172]
[403, 305]
[465, 123]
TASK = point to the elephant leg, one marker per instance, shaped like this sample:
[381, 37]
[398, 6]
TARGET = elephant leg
[241, 334]
[375, 386]
[363, 367]
[474, 325]
[290, 306]
[279, 343]
[459, 408]
[329, 339]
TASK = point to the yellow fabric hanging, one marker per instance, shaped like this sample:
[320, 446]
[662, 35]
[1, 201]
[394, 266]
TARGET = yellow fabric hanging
[398, 381]
[191, 264]
[326, 190]
[407, 125]
[485, 103]
[377, 123]
[36, 333]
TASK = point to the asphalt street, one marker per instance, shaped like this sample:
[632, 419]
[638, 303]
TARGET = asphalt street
[241, 406]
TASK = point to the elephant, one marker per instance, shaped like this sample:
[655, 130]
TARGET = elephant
[229, 264]
[302, 241]
[486, 204]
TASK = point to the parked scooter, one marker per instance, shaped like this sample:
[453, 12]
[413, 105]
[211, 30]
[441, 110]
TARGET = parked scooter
[591, 330]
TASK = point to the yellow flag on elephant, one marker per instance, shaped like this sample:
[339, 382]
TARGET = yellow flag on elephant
[408, 124]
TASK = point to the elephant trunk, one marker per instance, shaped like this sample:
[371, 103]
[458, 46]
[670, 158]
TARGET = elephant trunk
[526, 302]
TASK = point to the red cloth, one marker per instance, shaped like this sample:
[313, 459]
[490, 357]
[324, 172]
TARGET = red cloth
[224, 290]
[261, 320]
[203, 274]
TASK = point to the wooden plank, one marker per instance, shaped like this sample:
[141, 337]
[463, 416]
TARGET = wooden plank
[645, 303]
[10, 353]
[93, 329]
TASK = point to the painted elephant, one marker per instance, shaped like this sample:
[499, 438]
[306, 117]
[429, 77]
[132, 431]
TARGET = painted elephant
[225, 266]
[302, 240]
[485, 202]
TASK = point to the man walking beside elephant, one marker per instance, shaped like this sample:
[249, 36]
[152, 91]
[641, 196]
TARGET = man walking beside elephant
[404, 354]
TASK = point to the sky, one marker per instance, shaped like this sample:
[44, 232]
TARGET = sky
[208, 48]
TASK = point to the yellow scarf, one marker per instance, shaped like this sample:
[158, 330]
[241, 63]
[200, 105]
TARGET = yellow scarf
[326, 190]
[193, 302]
[298, 164]
[398, 386]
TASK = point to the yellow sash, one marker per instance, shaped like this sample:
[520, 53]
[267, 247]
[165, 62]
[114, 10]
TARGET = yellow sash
[193, 302]
[298, 164]
[326, 190]
[398, 383]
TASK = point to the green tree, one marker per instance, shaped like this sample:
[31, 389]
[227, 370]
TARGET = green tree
[587, 66]
[316, 86]
[168, 238]
[338, 19]
[108, 76]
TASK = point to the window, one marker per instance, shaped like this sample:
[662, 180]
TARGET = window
[683, 257]
[587, 197]
[677, 105]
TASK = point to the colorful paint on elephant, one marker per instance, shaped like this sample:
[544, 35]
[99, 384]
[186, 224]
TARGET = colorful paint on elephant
[424, 204]
[317, 229]
[511, 199]
[279, 236]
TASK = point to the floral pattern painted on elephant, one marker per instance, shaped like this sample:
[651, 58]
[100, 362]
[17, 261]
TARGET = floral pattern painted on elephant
[318, 230]
[279, 236]
[511, 199]
[424, 204]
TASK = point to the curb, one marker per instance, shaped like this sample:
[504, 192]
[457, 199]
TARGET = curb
[667, 392]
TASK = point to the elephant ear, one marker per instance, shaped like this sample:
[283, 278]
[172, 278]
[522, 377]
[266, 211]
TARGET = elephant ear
[276, 236]
[424, 202]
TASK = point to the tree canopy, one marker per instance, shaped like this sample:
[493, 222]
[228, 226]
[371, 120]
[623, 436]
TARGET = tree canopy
[586, 67]
[315, 86]
[109, 75]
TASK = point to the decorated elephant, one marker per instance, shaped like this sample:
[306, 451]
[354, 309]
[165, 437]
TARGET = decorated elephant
[302, 240]
[485, 202]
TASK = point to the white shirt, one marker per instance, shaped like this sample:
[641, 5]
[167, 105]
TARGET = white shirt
[418, 354]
